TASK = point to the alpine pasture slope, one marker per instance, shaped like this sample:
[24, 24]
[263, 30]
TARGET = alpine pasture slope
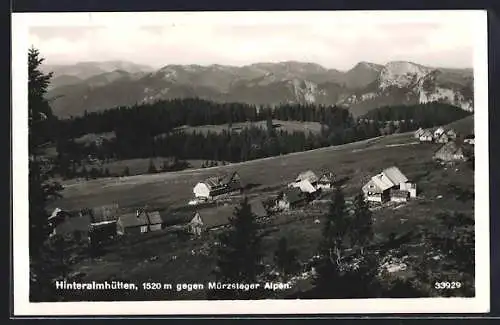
[355, 162]
[352, 163]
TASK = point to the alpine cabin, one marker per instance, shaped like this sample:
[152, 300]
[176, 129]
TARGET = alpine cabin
[218, 186]
[292, 198]
[139, 222]
[450, 152]
[306, 182]
[389, 185]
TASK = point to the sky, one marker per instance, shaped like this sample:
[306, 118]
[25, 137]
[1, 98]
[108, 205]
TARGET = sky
[333, 43]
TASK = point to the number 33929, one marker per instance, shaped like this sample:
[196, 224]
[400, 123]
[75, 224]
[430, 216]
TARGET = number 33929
[447, 285]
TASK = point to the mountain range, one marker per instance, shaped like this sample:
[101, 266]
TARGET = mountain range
[94, 86]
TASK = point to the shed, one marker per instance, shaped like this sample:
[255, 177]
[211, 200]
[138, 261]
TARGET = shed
[109, 212]
[399, 195]
[326, 181]
[291, 198]
[452, 135]
[443, 138]
[139, 222]
[77, 226]
[450, 152]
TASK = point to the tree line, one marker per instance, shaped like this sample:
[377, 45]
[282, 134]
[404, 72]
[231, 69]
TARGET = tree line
[422, 115]
[134, 139]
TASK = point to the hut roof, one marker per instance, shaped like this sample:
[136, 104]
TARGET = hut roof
[258, 208]
[449, 148]
[294, 195]
[439, 130]
[307, 175]
[217, 216]
[107, 212]
[154, 217]
[382, 182]
[55, 213]
[132, 220]
[231, 179]
[74, 224]
[426, 133]
[327, 177]
[399, 193]
[395, 175]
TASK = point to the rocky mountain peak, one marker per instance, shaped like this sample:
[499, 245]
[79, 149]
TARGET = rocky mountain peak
[402, 74]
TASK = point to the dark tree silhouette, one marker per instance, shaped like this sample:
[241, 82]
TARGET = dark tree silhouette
[240, 255]
[362, 226]
[41, 190]
[286, 259]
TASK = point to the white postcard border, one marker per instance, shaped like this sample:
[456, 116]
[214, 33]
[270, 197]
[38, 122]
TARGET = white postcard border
[22, 307]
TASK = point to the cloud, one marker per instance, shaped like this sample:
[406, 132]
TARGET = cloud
[333, 44]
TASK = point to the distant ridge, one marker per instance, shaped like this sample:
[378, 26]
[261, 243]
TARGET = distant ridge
[94, 86]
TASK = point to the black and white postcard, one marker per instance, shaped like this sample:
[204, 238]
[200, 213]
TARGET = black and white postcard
[250, 163]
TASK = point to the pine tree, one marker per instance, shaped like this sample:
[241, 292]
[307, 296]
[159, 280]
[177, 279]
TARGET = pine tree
[332, 246]
[269, 125]
[362, 227]
[41, 190]
[286, 259]
[126, 171]
[335, 229]
[240, 256]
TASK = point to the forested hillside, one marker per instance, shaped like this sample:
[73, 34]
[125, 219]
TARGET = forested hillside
[153, 130]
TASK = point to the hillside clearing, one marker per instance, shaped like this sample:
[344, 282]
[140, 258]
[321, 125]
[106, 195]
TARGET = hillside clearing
[163, 257]
[356, 161]
[289, 126]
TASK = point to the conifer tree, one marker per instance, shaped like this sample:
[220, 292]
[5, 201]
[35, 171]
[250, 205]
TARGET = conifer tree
[239, 255]
[331, 249]
[41, 190]
[335, 229]
[362, 226]
[286, 259]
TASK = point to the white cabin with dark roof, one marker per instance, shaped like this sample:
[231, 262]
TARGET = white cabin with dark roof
[306, 181]
[217, 186]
